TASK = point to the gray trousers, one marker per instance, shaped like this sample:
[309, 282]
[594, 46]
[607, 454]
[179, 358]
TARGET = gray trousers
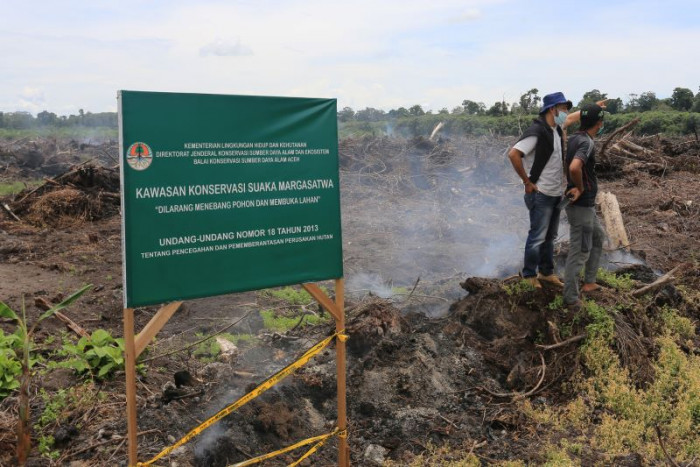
[586, 237]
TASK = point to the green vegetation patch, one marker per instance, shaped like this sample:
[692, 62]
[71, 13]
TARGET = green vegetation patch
[618, 282]
[279, 322]
[99, 355]
[518, 288]
[210, 349]
[12, 188]
[292, 295]
[615, 415]
[59, 407]
[10, 365]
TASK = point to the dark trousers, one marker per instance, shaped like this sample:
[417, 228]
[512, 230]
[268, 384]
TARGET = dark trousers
[544, 224]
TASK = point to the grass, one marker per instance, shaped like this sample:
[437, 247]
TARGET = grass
[280, 323]
[620, 282]
[291, 295]
[12, 188]
[283, 320]
[59, 407]
[210, 349]
[444, 456]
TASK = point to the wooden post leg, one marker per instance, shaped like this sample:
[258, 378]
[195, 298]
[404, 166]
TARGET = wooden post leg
[343, 449]
[130, 364]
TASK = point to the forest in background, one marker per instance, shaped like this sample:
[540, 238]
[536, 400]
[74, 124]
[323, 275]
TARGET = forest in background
[676, 115]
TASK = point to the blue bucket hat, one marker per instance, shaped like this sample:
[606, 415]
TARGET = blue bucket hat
[556, 98]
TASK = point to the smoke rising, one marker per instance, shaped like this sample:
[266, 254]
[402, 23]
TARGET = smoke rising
[413, 208]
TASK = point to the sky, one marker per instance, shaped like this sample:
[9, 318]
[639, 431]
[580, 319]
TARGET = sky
[70, 55]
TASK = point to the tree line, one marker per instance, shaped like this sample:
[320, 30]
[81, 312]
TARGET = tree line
[25, 120]
[682, 100]
[678, 114]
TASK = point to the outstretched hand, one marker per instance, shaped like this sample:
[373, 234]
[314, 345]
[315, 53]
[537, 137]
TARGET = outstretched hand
[602, 102]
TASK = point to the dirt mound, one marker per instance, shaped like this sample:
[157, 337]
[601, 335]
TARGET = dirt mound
[84, 193]
[467, 379]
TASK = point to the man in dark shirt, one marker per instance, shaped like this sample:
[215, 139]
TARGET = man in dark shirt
[586, 234]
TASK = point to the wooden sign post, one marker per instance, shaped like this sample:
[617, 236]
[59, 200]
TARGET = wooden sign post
[209, 181]
[135, 344]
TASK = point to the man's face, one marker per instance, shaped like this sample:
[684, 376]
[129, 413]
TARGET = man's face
[559, 108]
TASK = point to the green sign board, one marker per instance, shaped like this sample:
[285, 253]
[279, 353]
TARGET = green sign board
[226, 193]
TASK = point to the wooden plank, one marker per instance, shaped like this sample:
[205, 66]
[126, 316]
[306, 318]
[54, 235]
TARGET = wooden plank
[325, 301]
[154, 325]
[130, 368]
[343, 448]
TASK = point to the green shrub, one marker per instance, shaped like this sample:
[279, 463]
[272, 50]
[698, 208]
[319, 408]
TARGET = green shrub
[602, 324]
[26, 338]
[557, 303]
[676, 324]
[100, 354]
[10, 366]
[518, 288]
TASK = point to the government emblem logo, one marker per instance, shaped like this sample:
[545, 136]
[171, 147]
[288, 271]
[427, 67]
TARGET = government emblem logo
[139, 156]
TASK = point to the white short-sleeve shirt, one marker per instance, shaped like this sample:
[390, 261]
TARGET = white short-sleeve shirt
[551, 181]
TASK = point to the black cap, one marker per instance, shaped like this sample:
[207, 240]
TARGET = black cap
[590, 114]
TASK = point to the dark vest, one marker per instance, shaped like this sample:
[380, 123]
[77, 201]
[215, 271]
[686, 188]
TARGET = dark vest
[544, 147]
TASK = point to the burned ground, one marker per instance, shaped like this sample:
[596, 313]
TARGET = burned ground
[446, 346]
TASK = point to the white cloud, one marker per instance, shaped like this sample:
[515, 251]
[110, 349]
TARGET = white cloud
[31, 99]
[223, 48]
[468, 15]
[32, 94]
[380, 54]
